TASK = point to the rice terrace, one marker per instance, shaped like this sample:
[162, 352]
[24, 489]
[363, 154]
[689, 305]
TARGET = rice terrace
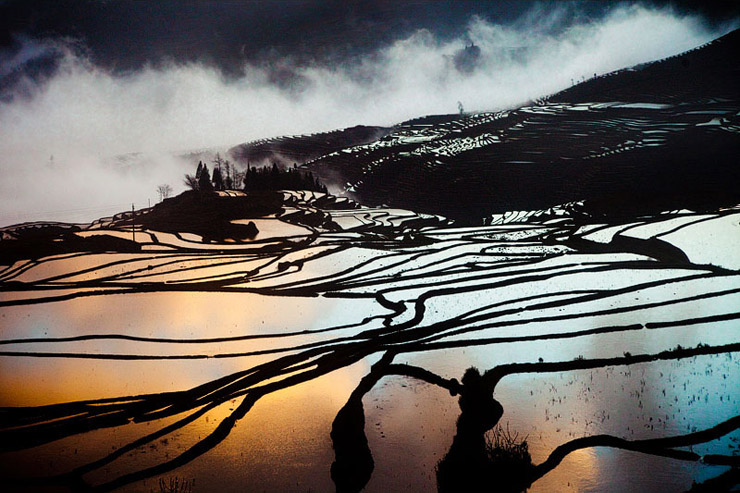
[543, 296]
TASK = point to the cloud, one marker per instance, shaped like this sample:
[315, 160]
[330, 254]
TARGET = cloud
[84, 115]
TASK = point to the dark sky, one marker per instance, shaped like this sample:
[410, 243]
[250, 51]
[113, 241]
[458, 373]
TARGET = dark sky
[123, 35]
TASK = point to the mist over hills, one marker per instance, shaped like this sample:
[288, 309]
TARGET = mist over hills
[659, 136]
[98, 101]
[301, 148]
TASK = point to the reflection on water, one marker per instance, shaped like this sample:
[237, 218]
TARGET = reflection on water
[638, 402]
[274, 228]
[178, 316]
[230, 368]
[274, 434]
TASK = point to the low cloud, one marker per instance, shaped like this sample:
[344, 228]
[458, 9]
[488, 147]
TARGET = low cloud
[62, 129]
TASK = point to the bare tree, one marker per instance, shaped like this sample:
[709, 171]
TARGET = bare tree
[218, 161]
[164, 191]
[237, 178]
[228, 183]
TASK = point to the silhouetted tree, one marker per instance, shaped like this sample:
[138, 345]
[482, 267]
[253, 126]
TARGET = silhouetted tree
[218, 162]
[273, 178]
[204, 182]
[237, 178]
[250, 177]
[228, 182]
[199, 170]
[218, 181]
[274, 183]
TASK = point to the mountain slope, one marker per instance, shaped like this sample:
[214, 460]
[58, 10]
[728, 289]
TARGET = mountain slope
[302, 148]
[659, 136]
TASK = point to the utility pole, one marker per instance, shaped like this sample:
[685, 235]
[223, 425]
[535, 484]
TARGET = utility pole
[133, 228]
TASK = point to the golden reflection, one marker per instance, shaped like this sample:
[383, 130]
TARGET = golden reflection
[272, 432]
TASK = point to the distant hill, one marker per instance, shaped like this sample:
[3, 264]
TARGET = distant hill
[708, 71]
[662, 135]
[302, 148]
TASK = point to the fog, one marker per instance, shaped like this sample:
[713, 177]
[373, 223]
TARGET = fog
[59, 134]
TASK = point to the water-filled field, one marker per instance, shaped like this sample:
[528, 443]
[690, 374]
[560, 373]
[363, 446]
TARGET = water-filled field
[338, 354]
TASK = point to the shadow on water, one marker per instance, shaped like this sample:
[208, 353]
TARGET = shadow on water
[502, 462]
[469, 465]
[471, 462]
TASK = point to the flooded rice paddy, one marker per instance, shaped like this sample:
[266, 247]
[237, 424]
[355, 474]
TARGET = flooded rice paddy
[309, 359]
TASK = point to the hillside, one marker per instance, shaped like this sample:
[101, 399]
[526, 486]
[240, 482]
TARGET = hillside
[659, 136]
[302, 148]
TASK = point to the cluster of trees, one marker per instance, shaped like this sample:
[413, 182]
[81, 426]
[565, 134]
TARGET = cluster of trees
[226, 177]
[276, 179]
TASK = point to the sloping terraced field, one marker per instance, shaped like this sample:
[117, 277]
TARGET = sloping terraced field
[338, 352]
[661, 136]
